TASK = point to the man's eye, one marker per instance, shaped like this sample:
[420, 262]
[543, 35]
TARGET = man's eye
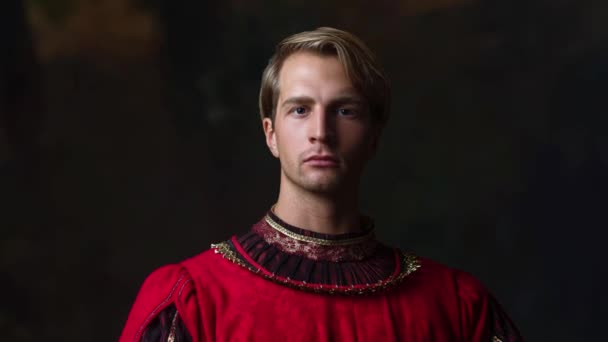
[345, 111]
[299, 110]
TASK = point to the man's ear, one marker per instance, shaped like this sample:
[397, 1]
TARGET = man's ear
[271, 139]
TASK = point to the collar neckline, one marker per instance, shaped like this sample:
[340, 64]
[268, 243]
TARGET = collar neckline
[363, 267]
[309, 236]
[315, 246]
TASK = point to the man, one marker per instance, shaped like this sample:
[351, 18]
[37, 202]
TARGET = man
[311, 269]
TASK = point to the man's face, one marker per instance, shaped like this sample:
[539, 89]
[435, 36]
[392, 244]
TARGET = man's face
[323, 133]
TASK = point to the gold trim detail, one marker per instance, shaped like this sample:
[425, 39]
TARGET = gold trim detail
[171, 337]
[410, 265]
[314, 240]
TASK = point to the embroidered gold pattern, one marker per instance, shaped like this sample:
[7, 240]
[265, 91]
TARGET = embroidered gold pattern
[314, 251]
[410, 264]
[319, 241]
[171, 337]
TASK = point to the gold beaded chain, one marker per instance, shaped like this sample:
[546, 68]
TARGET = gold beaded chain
[276, 226]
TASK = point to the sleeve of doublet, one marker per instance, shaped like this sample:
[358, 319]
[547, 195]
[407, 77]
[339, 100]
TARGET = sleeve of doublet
[482, 317]
[167, 326]
[165, 308]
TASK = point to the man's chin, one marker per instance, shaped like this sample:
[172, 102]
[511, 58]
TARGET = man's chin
[326, 186]
[327, 183]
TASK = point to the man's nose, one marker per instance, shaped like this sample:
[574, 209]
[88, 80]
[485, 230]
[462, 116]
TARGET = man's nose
[323, 127]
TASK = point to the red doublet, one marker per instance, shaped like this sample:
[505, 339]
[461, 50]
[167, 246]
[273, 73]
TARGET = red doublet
[221, 299]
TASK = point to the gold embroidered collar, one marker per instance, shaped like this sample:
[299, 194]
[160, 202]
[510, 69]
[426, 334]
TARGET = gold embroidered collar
[351, 263]
[408, 264]
[369, 234]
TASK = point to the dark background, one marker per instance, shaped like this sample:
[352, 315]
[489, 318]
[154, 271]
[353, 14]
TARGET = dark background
[130, 138]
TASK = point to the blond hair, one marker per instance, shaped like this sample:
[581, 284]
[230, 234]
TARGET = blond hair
[358, 61]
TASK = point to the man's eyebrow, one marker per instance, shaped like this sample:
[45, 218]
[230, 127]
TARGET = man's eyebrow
[340, 100]
[297, 100]
[350, 99]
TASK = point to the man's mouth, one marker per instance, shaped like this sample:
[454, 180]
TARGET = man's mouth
[322, 161]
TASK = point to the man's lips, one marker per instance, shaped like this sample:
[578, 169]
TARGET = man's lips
[319, 160]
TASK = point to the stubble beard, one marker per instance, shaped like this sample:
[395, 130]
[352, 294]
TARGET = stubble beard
[320, 182]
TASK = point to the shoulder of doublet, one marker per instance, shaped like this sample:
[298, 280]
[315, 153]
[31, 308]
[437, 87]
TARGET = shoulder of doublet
[465, 284]
[165, 277]
[208, 260]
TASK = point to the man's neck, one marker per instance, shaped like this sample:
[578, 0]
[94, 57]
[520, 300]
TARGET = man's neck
[320, 213]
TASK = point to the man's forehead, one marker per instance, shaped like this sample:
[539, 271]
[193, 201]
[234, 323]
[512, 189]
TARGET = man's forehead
[338, 98]
[305, 72]
[309, 94]
[305, 65]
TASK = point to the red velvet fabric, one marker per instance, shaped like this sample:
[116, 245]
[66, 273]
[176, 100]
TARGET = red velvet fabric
[221, 301]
